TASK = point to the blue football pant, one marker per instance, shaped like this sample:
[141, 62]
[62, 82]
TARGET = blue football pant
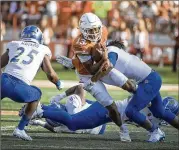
[148, 91]
[93, 116]
[17, 90]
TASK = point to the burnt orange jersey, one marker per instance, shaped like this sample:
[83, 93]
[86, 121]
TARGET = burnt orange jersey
[85, 47]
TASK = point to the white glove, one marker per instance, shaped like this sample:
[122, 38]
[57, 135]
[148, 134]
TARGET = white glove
[88, 85]
[67, 62]
[56, 99]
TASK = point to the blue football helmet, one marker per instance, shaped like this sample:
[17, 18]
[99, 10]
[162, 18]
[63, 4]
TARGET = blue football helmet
[171, 104]
[32, 33]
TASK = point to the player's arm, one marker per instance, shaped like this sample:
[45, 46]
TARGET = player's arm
[77, 89]
[91, 67]
[51, 74]
[4, 59]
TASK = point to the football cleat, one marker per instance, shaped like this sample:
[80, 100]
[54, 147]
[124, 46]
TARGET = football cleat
[156, 136]
[21, 134]
[125, 137]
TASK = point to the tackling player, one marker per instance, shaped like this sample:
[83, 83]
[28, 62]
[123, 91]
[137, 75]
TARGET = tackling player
[148, 91]
[22, 60]
[94, 115]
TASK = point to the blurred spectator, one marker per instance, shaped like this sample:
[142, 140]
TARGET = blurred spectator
[59, 19]
[176, 50]
[73, 30]
[101, 9]
[162, 21]
[47, 30]
[122, 33]
[141, 39]
[51, 11]
[3, 30]
[72, 33]
[33, 15]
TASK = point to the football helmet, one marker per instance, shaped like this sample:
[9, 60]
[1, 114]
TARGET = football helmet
[32, 33]
[171, 104]
[91, 27]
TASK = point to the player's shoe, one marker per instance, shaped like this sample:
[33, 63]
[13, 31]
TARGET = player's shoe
[156, 136]
[21, 134]
[61, 128]
[124, 136]
[38, 113]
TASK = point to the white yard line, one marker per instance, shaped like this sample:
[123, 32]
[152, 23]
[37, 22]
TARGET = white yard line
[69, 83]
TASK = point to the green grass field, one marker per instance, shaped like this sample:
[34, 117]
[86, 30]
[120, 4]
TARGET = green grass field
[168, 77]
[43, 139]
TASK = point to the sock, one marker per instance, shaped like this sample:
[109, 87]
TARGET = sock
[23, 122]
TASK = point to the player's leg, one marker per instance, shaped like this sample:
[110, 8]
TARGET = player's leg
[6, 83]
[159, 111]
[124, 133]
[31, 95]
[101, 94]
[147, 90]
[94, 116]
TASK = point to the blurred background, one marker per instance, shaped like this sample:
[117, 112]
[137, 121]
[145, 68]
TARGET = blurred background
[149, 29]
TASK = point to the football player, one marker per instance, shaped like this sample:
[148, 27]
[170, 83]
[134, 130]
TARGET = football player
[75, 103]
[148, 91]
[22, 60]
[92, 116]
[90, 59]
[149, 83]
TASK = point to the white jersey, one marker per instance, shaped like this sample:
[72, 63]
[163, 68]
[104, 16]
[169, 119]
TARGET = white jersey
[74, 104]
[25, 59]
[131, 66]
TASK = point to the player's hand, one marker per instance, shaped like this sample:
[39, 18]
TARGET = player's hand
[59, 85]
[55, 99]
[88, 85]
[67, 62]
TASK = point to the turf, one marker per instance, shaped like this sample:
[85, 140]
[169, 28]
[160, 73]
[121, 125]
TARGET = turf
[47, 93]
[43, 139]
[168, 77]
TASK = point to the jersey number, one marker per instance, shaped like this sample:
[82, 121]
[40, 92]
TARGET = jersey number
[21, 51]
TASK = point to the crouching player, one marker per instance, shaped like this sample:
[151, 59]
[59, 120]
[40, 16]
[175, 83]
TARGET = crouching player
[95, 116]
[22, 60]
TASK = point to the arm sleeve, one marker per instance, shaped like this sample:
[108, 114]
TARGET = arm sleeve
[48, 52]
[113, 57]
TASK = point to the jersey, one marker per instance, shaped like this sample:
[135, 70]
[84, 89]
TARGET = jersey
[131, 66]
[74, 106]
[25, 59]
[83, 50]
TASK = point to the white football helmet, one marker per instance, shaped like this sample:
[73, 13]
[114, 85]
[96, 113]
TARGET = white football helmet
[91, 27]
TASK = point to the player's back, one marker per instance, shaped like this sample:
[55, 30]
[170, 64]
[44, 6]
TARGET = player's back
[131, 66]
[25, 58]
